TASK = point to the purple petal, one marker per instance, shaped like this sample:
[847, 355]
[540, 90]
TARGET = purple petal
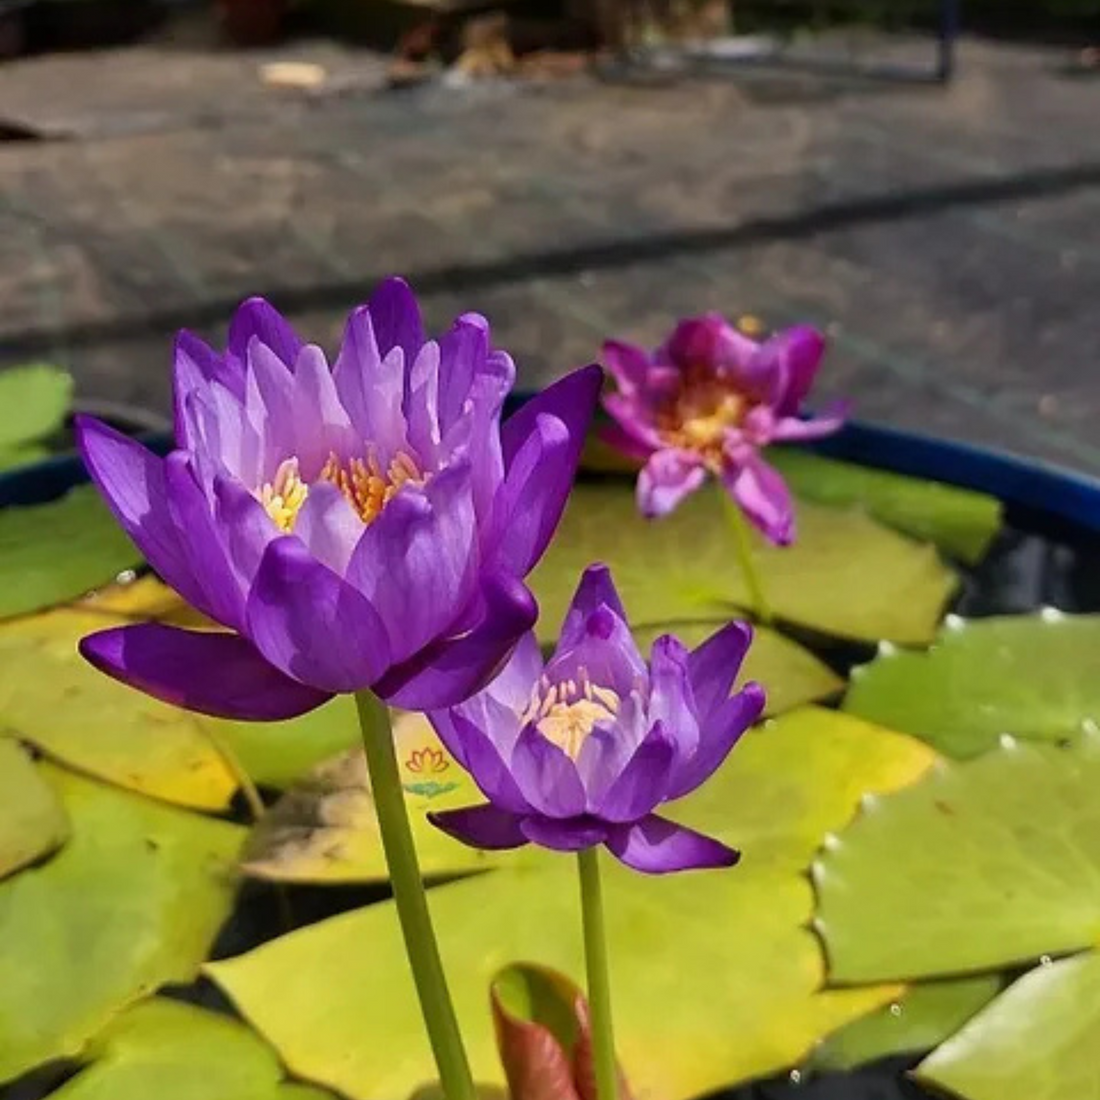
[627, 364]
[478, 751]
[449, 671]
[220, 430]
[626, 442]
[329, 526]
[462, 352]
[564, 836]
[609, 747]
[395, 316]
[595, 590]
[221, 593]
[604, 652]
[487, 827]
[541, 445]
[642, 783]
[714, 665]
[243, 527]
[371, 389]
[497, 708]
[217, 674]
[546, 776]
[666, 479]
[655, 846]
[132, 480]
[763, 496]
[270, 397]
[830, 420]
[422, 404]
[330, 429]
[417, 562]
[196, 365]
[670, 699]
[708, 341]
[257, 319]
[306, 621]
[799, 352]
[718, 736]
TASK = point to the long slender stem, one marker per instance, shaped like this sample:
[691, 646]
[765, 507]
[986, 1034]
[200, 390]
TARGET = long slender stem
[411, 900]
[599, 981]
[742, 538]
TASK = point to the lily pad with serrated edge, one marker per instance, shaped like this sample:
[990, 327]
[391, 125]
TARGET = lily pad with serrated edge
[1037, 1041]
[984, 864]
[1035, 677]
[133, 900]
[845, 575]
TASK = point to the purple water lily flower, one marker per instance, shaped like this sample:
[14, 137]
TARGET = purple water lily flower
[364, 526]
[581, 750]
[708, 401]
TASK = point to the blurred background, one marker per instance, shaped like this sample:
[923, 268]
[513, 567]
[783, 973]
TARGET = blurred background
[922, 182]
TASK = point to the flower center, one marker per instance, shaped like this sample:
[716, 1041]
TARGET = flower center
[365, 485]
[697, 418]
[567, 712]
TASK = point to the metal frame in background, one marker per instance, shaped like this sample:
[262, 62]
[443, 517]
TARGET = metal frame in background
[763, 52]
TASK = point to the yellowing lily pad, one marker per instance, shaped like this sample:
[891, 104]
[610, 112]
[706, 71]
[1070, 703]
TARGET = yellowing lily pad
[961, 522]
[984, 864]
[846, 574]
[32, 819]
[51, 697]
[793, 780]
[926, 1015]
[1035, 677]
[53, 553]
[791, 675]
[1037, 1041]
[324, 829]
[174, 1051]
[696, 959]
[143, 598]
[133, 900]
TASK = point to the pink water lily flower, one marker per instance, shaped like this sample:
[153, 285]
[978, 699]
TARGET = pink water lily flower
[364, 526]
[708, 401]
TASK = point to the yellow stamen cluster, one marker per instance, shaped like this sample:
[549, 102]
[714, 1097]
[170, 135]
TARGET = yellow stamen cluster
[367, 487]
[284, 495]
[567, 712]
[697, 418]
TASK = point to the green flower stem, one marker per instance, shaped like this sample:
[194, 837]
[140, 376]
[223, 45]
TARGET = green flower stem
[411, 900]
[742, 538]
[599, 982]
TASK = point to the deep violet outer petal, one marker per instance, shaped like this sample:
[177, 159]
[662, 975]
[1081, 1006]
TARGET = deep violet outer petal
[655, 846]
[487, 827]
[217, 674]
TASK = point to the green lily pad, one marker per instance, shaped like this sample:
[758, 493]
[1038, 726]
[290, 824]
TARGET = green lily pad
[695, 959]
[13, 457]
[275, 754]
[51, 697]
[52, 553]
[1037, 1041]
[924, 1017]
[33, 402]
[174, 1051]
[959, 521]
[132, 901]
[324, 829]
[1036, 677]
[32, 819]
[791, 675]
[846, 574]
[984, 864]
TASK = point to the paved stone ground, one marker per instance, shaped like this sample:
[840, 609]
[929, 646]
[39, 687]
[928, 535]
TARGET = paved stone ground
[948, 239]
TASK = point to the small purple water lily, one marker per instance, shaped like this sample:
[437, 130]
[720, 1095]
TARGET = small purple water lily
[708, 401]
[581, 751]
[365, 526]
